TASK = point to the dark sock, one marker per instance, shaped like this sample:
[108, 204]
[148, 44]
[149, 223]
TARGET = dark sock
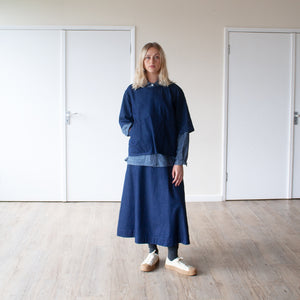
[153, 247]
[173, 252]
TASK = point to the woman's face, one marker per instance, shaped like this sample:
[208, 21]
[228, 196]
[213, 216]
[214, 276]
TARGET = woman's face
[152, 61]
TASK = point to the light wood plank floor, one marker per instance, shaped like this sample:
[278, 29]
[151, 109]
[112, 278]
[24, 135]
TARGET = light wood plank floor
[242, 250]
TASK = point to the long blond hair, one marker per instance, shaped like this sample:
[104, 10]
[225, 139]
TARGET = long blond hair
[140, 78]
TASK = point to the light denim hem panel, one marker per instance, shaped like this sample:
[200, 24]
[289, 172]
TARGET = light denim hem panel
[152, 160]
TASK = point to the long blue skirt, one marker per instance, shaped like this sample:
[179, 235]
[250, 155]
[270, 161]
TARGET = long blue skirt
[153, 210]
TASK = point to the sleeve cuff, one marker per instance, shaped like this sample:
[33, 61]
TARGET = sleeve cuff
[125, 128]
[180, 162]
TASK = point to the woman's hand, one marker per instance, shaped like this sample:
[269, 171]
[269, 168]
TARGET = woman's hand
[177, 174]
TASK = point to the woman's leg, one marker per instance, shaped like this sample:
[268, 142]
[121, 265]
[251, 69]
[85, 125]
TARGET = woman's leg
[173, 252]
[153, 247]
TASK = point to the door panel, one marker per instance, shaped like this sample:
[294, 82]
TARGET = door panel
[259, 97]
[98, 71]
[296, 178]
[30, 116]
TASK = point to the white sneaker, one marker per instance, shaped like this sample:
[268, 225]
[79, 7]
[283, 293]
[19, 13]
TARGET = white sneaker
[150, 262]
[179, 266]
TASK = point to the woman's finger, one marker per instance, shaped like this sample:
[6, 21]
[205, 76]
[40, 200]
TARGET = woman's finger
[173, 173]
[175, 177]
[178, 181]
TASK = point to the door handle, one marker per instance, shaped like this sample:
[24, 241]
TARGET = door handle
[296, 116]
[69, 115]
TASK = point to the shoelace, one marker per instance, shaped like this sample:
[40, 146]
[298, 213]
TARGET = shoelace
[180, 261]
[149, 259]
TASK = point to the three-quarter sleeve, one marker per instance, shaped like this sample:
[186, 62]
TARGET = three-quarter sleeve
[182, 149]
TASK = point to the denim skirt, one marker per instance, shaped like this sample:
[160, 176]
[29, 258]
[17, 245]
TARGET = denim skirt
[152, 209]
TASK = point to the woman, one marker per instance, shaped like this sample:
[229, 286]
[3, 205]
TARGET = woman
[155, 115]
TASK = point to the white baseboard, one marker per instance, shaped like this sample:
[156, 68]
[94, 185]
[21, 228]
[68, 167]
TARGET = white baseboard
[188, 198]
[203, 198]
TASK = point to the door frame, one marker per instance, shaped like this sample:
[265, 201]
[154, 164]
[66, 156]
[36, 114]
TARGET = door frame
[227, 31]
[63, 106]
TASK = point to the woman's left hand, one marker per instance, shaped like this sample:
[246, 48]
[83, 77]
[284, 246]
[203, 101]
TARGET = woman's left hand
[177, 174]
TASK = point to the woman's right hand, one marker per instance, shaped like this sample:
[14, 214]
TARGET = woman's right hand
[177, 174]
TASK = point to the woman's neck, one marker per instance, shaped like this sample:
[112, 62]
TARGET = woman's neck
[152, 77]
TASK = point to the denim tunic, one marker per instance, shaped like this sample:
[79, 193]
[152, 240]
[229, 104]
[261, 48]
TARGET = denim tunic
[158, 122]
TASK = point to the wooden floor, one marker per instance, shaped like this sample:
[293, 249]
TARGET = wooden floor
[242, 250]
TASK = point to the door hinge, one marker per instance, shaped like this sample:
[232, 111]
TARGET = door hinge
[226, 176]
[228, 49]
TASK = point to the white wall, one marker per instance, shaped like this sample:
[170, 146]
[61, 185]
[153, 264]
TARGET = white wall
[192, 34]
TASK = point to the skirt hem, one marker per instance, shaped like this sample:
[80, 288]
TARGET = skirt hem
[157, 241]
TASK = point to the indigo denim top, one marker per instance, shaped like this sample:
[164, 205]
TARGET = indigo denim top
[158, 122]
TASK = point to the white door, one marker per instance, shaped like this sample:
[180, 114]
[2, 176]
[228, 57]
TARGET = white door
[296, 178]
[97, 73]
[259, 115]
[30, 116]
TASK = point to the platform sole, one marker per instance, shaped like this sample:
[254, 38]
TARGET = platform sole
[148, 268]
[191, 272]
